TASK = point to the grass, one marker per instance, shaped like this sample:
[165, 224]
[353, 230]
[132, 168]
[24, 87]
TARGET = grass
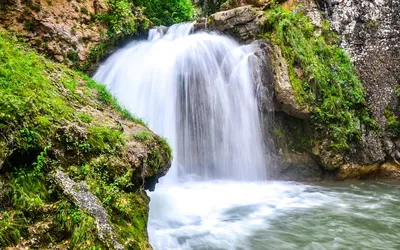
[322, 77]
[50, 118]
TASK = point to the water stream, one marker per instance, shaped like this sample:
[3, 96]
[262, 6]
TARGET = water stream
[199, 91]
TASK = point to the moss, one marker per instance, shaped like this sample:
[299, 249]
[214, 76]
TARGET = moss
[322, 77]
[52, 117]
[392, 123]
[78, 225]
[143, 137]
[12, 225]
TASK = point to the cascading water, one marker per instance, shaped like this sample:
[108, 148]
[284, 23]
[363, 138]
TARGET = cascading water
[198, 91]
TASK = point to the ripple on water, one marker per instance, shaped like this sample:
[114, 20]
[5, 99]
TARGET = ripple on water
[275, 215]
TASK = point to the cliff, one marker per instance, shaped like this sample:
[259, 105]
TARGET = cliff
[332, 70]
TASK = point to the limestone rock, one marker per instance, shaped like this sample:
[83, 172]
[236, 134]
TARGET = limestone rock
[283, 88]
[370, 32]
[88, 202]
[243, 23]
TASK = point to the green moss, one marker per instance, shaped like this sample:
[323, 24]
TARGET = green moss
[126, 18]
[143, 136]
[11, 225]
[52, 117]
[87, 118]
[167, 12]
[322, 77]
[78, 224]
[392, 123]
[104, 139]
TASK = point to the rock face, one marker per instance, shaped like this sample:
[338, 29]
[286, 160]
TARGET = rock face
[64, 30]
[369, 32]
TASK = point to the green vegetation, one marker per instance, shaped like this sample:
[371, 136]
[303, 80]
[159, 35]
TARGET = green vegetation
[392, 123]
[128, 17]
[52, 118]
[167, 12]
[322, 77]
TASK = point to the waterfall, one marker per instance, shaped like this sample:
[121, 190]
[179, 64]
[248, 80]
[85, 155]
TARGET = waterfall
[199, 91]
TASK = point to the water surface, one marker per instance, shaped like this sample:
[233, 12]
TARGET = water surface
[275, 215]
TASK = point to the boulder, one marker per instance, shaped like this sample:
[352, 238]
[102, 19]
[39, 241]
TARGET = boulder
[243, 23]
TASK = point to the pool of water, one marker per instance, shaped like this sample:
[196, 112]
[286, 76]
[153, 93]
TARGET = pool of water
[275, 215]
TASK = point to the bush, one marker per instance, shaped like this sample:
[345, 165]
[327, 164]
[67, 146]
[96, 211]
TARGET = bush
[162, 12]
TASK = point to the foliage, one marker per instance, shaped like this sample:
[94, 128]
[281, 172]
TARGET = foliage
[11, 225]
[167, 12]
[392, 123]
[143, 136]
[53, 117]
[128, 17]
[322, 76]
[79, 224]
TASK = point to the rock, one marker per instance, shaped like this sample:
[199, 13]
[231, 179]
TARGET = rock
[370, 33]
[328, 158]
[390, 170]
[229, 4]
[243, 23]
[64, 30]
[283, 88]
[297, 166]
[356, 171]
[86, 201]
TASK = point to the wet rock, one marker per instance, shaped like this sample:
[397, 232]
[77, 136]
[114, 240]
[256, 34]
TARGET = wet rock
[390, 170]
[85, 200]
[356, 171]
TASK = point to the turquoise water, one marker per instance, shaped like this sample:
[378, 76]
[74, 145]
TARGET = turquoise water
[276, 215]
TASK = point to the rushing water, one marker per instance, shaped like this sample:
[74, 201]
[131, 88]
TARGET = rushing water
[199, 91]
[276, 215]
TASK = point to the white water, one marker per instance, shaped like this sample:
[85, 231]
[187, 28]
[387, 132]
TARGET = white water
[198, 91]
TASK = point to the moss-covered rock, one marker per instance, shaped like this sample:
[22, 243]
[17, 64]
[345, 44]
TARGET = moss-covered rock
[56, 119]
